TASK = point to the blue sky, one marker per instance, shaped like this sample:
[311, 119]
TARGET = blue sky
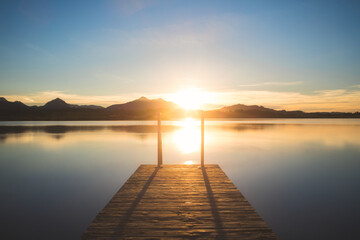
[281, 54]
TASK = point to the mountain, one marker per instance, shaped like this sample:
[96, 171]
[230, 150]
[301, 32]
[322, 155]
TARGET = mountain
[144, 109]
[59, 104]
[142, 104]
[254, 111]
[242, 107]
[5, 105]
[89, 106]
[57, 109]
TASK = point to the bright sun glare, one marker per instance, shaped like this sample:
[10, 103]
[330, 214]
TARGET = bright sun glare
[187, 138]
[191, 98]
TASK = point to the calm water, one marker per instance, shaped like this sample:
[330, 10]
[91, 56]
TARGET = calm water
[302, 176]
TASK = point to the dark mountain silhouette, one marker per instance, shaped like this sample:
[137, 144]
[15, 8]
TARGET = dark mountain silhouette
[5, 105]
[144, 109]
[144, 103]
[254, 111]
[57, 104]
[242, 107]
[88, 106]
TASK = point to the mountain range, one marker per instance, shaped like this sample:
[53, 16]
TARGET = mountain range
[144, 109]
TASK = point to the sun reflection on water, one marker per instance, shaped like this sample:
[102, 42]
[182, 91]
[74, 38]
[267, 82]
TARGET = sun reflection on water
[187, 139]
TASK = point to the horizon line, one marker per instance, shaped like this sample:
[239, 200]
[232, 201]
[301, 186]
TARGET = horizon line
[150, 99]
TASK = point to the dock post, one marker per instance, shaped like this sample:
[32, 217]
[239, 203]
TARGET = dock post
[159, 141]
[202, 139]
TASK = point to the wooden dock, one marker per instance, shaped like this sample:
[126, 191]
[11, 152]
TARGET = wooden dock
[178, 202]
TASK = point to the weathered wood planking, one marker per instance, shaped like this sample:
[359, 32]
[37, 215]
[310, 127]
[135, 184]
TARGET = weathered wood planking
[178, 202]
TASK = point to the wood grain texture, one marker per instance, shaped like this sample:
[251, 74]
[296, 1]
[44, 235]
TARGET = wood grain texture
[178, 202]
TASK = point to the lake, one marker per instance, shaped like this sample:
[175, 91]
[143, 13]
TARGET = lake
[301, 175]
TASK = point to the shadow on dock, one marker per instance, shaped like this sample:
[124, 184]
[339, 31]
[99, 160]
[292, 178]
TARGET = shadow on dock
[127, 215]
[178, 202]
[214, 211]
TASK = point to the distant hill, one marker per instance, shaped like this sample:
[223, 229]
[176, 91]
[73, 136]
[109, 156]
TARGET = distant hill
[5, 105]
[142, 104]
[254, 111]
[143, 109]
[59, 104]
[57, 109]
[242, 107]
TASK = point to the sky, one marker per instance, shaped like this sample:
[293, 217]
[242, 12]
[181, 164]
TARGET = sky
[280, 54]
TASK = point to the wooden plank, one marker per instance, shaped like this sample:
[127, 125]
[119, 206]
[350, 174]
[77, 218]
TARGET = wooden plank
[178, 202]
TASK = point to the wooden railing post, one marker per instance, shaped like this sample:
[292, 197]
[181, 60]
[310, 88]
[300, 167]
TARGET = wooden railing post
[159, 141]
[202, 139]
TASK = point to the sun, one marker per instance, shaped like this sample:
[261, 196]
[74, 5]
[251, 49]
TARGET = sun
[191, 98]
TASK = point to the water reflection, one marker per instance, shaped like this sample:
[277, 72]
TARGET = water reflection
[90, 128]
[187, 139]
[185, 135]
[70, 134]
[56, 177]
